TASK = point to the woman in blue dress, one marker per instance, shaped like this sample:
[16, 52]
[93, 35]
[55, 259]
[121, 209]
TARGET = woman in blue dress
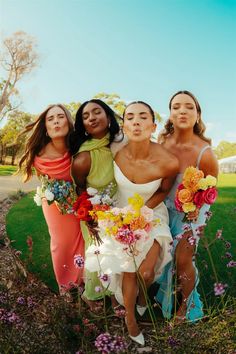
[184, 137]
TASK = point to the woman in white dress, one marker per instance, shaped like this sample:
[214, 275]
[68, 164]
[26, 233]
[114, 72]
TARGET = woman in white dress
[146, 168]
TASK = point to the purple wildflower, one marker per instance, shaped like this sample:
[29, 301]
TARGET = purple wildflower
[227, 244]
[219, 289]
[106, 343]
[30, 302]
[78, 261]
[231, 264]
[98, 289]
[228, 255]
[20, 300]
[219, 234]
[173, 343]
[208, 215]
[105, 278]
[186, 228]
[192, 240]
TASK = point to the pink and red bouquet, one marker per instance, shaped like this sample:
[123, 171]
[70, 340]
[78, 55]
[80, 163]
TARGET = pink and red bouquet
[195, 190]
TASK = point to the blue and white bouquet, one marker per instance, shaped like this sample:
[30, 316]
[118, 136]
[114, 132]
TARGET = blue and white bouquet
[59, 191]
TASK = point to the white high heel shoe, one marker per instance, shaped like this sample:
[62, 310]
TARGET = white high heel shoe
[138, 339]
[141, 309]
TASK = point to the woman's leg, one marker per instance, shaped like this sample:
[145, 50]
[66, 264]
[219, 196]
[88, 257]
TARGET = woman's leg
[185, 273]
[129, 289]
[146, 271]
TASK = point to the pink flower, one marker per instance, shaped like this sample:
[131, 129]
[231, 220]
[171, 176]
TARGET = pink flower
[178, 205]
[199, 199]
[210, 195]
[219, 288]
[147, 213]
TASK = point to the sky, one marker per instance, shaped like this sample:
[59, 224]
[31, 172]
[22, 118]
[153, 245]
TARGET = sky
[139, 49]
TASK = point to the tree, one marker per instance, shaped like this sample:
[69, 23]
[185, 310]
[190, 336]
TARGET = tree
[9, 140]
[18, 58]
[225, 149]
[117, 104]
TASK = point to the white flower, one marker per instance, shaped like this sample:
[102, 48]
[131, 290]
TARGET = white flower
[39, 191]
[37, 199]
[95, 200]
[106, 200]
[147, 213]
[92, 191]
[49, 195]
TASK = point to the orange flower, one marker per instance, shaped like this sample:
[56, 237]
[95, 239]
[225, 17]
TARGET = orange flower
[138, 223]
[185, 195]
[191, 178]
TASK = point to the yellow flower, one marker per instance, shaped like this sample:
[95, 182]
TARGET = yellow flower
[191, 178]
[211, 180]
[136, 201]
[202, 184]
[187, 207]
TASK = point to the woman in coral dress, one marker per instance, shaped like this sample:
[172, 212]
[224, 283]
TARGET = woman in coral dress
[47, 151]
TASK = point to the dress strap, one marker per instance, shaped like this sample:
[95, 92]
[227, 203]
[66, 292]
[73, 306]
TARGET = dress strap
[201, 153]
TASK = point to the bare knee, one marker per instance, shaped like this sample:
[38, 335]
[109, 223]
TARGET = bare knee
[147, 275]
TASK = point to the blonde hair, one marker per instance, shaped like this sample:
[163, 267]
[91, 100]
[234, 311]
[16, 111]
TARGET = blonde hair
[199, 127]
[38, 140]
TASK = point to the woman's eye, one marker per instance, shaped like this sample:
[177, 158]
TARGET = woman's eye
[97, 111]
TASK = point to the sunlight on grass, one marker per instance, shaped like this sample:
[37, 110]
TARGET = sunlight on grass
[7, 170]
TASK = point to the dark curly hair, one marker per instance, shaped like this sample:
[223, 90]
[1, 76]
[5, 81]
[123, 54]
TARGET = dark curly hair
[78, 136]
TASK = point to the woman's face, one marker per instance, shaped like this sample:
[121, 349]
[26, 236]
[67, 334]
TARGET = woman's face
[56, 123]
[95, 120]
[138, 122]
[183, 112]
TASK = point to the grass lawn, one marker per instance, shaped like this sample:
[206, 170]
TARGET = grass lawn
[7, 170]
[26, 219]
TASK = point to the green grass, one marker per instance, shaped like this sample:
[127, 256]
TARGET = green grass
[26, 219]
[7, 170]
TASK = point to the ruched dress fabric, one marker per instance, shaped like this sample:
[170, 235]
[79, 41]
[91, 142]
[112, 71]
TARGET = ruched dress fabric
[112, 258]
[66, 238]
[100, 176]
[165, 293]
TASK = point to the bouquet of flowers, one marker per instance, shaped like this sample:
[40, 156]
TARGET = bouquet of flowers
[59, 191]
[89, 201]
[127, 225]
[194, 191]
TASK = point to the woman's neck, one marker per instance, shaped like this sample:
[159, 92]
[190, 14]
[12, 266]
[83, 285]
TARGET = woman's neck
[184, 137]
[59, 145]
[138, 150]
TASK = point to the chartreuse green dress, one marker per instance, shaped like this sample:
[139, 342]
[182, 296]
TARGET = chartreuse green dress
[100, 176]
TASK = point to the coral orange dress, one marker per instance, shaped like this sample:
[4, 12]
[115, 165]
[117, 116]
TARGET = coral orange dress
[66, 237]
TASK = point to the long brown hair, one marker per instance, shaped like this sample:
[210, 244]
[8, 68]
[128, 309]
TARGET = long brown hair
[38, 140]
[199, 127]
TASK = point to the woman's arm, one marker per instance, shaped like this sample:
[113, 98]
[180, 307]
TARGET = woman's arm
[80, 169]
[169, 170]
[209, 164]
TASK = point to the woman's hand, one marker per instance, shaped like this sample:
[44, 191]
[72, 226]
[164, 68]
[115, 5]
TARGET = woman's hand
[193, 215]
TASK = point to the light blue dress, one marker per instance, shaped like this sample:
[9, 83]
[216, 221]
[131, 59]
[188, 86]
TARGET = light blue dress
[165, 293]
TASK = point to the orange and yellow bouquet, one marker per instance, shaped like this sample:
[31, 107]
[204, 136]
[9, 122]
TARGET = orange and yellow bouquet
[195, 190]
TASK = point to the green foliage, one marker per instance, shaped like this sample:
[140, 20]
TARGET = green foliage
[225, 149]
[7, 170]
[72, 108]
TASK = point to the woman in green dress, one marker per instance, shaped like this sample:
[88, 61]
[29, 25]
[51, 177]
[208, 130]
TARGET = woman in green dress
[96, 128]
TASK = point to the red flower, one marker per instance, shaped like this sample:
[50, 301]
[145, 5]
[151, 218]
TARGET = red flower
[199, 199]
[178, 205]
[210, 195]
[83, 214]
